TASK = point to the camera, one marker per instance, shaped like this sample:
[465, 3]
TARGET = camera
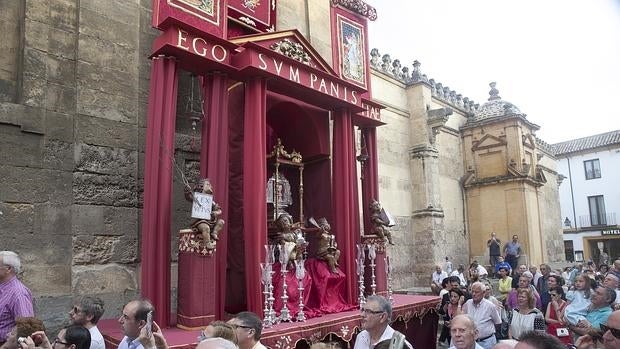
[21, 340]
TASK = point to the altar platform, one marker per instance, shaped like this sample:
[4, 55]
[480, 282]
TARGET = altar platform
[415, 316]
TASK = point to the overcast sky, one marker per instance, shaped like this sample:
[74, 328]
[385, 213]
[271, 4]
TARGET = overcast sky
[557, 60]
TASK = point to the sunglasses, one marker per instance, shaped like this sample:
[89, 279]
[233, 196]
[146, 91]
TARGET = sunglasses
[614, 331]
[241, 326]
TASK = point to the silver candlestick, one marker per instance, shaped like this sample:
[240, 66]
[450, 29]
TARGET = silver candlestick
[300, 273]
[388, 272]
[285, 314]
[372, 254]
[265, 269]
[267, 281]
[361, 256]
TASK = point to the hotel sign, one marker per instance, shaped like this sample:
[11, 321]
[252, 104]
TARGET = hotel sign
[611, 232]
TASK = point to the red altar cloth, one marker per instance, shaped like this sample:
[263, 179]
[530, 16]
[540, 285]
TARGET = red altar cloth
[323, 290]
[415, 316]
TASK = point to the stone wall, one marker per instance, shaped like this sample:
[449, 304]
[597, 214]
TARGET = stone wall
[71, 139]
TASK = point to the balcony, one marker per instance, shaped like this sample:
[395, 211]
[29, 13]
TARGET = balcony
[602, 220]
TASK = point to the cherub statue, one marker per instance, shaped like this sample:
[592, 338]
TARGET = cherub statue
[380, 226]
[208, 229]
[328, 248]
[290, 236]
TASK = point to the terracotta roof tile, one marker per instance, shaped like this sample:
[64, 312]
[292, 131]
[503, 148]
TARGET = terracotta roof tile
[585, 143]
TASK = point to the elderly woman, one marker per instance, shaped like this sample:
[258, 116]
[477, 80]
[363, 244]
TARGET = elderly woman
[525, 318]
[524, 284]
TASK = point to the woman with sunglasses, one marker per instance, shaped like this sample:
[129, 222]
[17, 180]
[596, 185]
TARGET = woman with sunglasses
[71, 337]
[554, 314]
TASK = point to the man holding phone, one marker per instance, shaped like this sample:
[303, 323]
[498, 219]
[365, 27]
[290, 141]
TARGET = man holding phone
[132, 320]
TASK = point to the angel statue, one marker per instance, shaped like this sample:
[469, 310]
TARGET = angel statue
[290, 236]
[209, 228]
[328, 248]
[380, 221]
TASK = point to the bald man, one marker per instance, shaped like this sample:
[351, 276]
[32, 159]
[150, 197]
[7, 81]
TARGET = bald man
[464, 333]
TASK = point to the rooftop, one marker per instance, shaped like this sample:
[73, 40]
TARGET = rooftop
[587, 143]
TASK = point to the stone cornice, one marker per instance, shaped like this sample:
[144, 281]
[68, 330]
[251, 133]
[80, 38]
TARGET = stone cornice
[428, 212]
[393, 68]
[359, 7]
[503, 179]
[423, 151]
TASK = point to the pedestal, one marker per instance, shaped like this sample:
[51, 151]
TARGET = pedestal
[197, 300]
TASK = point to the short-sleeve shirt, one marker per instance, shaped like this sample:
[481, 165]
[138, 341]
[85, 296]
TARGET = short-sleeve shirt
[512, 248]
[494, 247]
[598, 316]
[15, 301]
[485, 315]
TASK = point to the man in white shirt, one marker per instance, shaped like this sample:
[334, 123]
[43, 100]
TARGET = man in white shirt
[376, 316]
[484, 314]
[86, 312]
[132, 320]
[436, 279]
[248, 328]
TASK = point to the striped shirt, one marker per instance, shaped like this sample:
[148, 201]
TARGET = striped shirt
[15, 301]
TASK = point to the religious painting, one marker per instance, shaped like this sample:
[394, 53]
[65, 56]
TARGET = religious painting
[351, 51]
[259, 15]
[202, 15]
[204, 9]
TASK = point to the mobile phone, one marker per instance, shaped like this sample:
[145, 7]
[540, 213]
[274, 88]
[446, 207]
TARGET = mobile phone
[149, 323]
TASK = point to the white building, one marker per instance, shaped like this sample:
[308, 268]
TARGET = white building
[590, 196]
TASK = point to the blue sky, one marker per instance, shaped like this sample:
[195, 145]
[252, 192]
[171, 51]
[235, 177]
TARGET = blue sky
[558, 61]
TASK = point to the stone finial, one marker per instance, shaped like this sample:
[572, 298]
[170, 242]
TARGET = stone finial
[416, 75]
[405, 74]
[386, 63]
[396, 66]
[494, 93]
[375, 58]
[439, 87]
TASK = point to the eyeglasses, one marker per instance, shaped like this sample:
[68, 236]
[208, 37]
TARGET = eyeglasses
[58, 341]
[235, 326]
[553, 294]
[370, 311]
[614, 331]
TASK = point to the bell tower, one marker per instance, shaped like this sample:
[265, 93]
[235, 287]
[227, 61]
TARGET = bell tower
[502, 179]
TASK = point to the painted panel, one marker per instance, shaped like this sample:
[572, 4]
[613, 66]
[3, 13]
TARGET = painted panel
[351, 50]
[204, 15]
[259, 15]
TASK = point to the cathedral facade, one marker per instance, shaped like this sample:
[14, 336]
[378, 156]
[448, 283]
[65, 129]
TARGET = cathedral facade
[74, 90]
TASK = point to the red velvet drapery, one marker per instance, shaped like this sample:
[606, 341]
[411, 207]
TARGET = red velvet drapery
[214, 165]
[344, 181]
[254, 190]
[370, 187]
[155, 244]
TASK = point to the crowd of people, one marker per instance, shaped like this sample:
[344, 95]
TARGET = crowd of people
[579, 305]
[531, 306]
